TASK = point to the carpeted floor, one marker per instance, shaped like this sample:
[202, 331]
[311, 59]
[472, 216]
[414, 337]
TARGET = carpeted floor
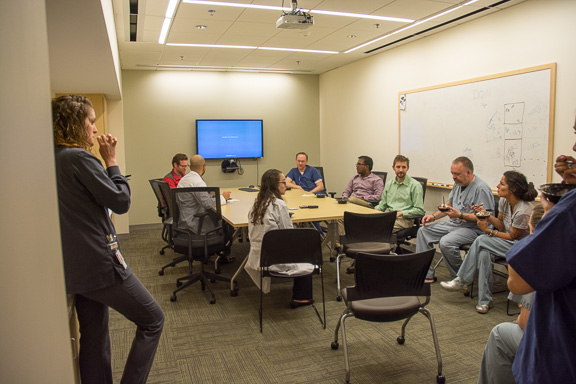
[221, 343]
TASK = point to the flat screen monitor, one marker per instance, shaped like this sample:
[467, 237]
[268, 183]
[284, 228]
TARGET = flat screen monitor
[229, 139]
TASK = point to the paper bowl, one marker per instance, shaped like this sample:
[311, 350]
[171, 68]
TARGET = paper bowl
[443, 209]
[555, 191]
[483, 215]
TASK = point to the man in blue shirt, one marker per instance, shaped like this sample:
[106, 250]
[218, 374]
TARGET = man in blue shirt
[305, 177]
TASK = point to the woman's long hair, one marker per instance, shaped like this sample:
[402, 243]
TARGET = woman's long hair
[267, 194]
[69, 115]
[519, 186]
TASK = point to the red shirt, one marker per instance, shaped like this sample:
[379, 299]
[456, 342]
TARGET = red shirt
[172, 179]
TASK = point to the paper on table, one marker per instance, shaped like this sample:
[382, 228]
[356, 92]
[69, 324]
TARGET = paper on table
[306, 195]
[230, 200]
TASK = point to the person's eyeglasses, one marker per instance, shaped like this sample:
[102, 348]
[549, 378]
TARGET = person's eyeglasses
[282, 182]
[184, 166]
[358, 164]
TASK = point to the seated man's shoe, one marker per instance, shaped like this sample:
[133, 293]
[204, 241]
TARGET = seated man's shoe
[455, 285]
[296, 304]
[484, 308]
[430, 278]
[351, 268]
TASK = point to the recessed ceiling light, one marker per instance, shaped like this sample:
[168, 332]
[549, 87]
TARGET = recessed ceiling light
[201, 27]
[351, 36]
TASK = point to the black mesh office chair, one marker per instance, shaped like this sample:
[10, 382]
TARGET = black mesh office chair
[198, 233]
[381, 174]
[365, 232]
[404, 236]
[290, 246]
[387, 288]
[321, 171]
[163, 213]
[169, 203]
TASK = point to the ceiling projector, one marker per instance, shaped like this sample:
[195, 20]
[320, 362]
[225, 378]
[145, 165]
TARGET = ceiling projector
[295, 19]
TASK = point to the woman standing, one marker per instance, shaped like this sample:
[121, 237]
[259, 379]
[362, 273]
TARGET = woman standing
[271, 212]
[95, 270]
[511, 224]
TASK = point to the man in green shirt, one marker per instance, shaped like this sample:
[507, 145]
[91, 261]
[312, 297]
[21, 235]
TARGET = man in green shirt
[402, 194]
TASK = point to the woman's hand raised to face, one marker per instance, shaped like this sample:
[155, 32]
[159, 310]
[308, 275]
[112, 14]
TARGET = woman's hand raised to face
[107, 149]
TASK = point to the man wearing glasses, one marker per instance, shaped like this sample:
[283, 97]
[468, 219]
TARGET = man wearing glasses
[365, 188]
[179, 165]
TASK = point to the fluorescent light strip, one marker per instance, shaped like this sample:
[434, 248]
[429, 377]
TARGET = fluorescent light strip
[361, 16]
[223, 69]
[211, 46]
[251, 47]
[411, 26]
[287, 9]
[170, 11]
[298, 50]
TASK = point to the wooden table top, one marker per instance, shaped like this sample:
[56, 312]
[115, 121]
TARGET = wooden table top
[235, 212]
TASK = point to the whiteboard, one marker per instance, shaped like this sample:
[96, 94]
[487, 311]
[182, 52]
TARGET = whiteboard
[501, 122]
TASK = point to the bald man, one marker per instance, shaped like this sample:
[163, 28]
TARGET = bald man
[194, 179]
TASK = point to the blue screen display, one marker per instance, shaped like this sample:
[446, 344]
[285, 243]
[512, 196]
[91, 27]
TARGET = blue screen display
[229, 139]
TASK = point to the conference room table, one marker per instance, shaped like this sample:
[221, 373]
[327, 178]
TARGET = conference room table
[235, 213]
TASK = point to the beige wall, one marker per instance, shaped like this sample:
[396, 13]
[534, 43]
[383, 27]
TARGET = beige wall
[35, 340]
[160, 110]
[358, 103]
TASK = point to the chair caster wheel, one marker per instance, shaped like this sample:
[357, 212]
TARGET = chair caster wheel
[173, 298]
[213, 300]
[467, 293]
[234, 293]
[161, 273]
[332, 259]
[178, 283]
[339, 298]
[334, 345]
[440, 379]
[162, 252]
[400, 339]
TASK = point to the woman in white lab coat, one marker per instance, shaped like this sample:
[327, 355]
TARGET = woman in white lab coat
[271, 212]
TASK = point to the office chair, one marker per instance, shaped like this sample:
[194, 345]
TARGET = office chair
[163, 213]
[404, 236]
[383, 175]
[365, 232]
[321, 171]
[291, 246]
[197, 233]
[168, 199]
[386, 289]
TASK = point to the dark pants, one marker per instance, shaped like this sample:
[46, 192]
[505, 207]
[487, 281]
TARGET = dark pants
[302, 289]
[133, 301]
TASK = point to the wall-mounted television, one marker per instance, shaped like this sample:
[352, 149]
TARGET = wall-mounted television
[229, 139]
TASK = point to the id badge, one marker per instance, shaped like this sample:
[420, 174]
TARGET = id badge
[121, 259]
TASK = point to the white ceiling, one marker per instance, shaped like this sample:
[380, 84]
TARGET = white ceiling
[81, 59]
[254, 27]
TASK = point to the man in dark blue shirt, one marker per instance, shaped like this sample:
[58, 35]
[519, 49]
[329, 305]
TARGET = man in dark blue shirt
[305, 177]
